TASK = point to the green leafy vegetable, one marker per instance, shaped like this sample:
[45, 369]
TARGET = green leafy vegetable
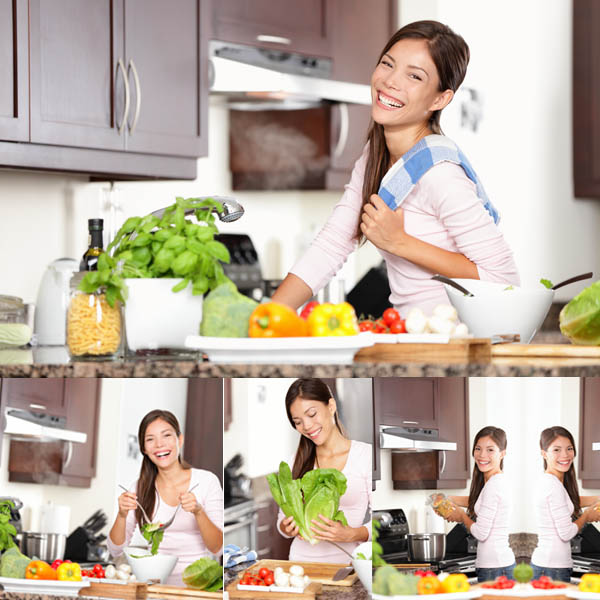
[318, 492]
[13, 563]
[361, 556]
[546, 283]
[580, 318]
[388, 581]
[226, 312]
[7, 530]
[510, 287]
[204, 574]
[377, 550]
[170, 247]
[154, 535]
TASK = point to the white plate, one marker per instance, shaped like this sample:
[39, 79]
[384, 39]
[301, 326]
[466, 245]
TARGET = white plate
[294, 350]
[258, 588]
[582, 595]
[41, 586]
[526, 591]
[454, 596]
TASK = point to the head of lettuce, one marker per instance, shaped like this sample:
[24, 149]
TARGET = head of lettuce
[317, 493]
[580, 318]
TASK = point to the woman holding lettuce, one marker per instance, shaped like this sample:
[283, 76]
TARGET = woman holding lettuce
[312, 411]
[166, 481]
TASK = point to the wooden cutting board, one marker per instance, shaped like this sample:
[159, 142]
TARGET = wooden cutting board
[475, 349]
[309, 593]
[126, 591]
[318, 572]
[546, 350]
[183, 593]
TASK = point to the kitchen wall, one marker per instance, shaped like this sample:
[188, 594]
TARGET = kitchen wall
[521, 66]
[123, 404]
[523, 407]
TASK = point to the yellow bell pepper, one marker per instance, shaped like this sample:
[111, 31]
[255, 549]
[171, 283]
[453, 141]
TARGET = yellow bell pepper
[68, 572]
[454, 583]
[275, 320]
[332, 319]
[590, 582]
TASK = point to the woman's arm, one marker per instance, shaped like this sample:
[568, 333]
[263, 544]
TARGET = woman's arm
[124, 524]
[588, 500]
[292, 292]
[459, 500]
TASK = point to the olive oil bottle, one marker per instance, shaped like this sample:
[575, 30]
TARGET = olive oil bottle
[89, 261]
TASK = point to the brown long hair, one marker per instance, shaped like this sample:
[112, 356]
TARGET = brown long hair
[146, 490]
[570, 479]
[478, 480]
[451, 55]
[307, 389]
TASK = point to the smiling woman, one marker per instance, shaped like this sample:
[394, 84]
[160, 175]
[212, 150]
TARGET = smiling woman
[167, 484]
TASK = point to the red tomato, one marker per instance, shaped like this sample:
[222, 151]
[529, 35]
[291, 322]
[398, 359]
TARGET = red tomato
[429, 574]
[308, 308]
[398, 326]
[419, 573]
[263, 572]
[98, 568]
[380, 326]
[56, 563]
[366, 326]
[390, 315]
[269, 579]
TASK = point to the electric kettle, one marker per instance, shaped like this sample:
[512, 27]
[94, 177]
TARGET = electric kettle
[53, 301]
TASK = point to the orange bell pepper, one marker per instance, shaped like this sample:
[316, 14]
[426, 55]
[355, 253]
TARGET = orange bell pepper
[38, 569]
[275, 320]
[429, 585]
[68, 572]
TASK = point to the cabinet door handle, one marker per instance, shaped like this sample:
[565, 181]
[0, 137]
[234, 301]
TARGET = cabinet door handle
[410, 422]
[443, 467]
[344, 127]
[69, 456]
[138, 94]
[273, 39]
[37, 406]
[121, 66]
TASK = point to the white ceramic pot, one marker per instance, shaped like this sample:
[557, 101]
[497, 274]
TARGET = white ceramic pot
[156, 317]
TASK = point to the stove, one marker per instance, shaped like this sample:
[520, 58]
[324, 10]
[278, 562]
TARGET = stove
[461, 547]
[585, 550]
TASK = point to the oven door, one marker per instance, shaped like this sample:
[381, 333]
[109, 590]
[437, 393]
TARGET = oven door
[242, 532]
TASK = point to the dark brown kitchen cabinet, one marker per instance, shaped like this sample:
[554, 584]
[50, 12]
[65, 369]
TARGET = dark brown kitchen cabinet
[270, 543]
[59, 462]
[45, 396]
[586, 90]
[287, 25]
[589, 432]
[14, 74]
[203, 444]
[440, 403]
[227, 404]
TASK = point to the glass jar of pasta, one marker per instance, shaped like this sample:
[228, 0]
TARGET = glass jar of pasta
[93, 326]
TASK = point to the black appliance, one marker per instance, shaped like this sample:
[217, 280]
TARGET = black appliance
[585, 550]
[461, 547]
[244, 268]
[237, 486]
[371, 295]
[240, 508]
[86, 542]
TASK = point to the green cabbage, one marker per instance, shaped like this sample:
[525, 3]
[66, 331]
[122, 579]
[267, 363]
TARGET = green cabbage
[318, 492]
[390, 582]
[13, 564]
[226, 312]
[580, 318]
[204, 574]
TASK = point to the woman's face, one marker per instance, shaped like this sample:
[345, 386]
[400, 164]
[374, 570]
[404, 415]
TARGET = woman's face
[487, 455]
[559, 455]
[162, 444]
[405, 86]
[313, 419]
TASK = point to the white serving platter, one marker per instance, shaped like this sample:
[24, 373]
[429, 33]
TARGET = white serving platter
[453, 596]
[526, 591]
[41, 586]
[291, 350]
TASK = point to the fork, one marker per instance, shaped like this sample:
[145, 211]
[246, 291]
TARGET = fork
[141, 507]
[163, 526]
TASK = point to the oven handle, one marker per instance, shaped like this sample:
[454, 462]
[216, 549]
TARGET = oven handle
[239, 524]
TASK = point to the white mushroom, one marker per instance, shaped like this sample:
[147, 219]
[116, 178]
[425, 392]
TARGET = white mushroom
[416, 321]
[445, 311]
[461, 330]
[296, 570]
[438, 324]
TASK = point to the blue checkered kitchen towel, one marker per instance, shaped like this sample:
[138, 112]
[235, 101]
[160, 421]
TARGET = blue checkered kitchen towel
[234, 555]
[431, 150]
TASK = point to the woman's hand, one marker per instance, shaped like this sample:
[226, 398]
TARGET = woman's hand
[189, 503]
[383, 226]
[289, 527]
[456, 516]
[333, 531]
[127, 502]
[592, 513]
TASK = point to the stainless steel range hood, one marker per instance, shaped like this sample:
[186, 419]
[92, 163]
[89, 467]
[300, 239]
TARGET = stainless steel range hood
[412, 439]
[26, 425]
[280, 78]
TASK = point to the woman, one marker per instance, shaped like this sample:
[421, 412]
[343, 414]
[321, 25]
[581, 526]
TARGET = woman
[166, 481]
[446, 224]
[312, 411]
[558, 506]
[488, 506]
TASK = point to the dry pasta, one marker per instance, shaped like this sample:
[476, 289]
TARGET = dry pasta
[93, 326]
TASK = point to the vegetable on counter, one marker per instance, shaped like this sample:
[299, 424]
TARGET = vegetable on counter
[13, 563]
[332, 319]
[318, 492]
[68, 571]
[272, 319]
[38, 569]
[590, 582]
[204, 574]
[308, 308]
[153, 535]
[7, 530]
[580, 318]
[388, 581]
[226, 312]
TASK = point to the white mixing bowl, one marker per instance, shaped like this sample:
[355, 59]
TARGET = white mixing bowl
[159, 566]
[498, 308]
[364, 568]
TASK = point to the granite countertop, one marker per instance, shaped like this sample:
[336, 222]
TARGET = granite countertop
[55, 362]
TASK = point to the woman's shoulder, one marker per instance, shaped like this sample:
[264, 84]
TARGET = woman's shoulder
[203, 476]
[361, 453]
[361, 447]
[443, 173]
[497, 484]
[549, 484]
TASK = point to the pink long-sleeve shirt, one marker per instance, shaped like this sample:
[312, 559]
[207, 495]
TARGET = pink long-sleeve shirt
[182, 538]
[442, 209]
[356, 504]
[554, 523]
[491, 528]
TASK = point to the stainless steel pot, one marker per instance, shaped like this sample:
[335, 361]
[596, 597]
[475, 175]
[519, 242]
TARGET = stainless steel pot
[426, 547]
[45, 546]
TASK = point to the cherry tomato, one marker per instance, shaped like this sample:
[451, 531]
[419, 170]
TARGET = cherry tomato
[380, 326]
[269, 579]
[419, 573]
[366, 326]
[263, 572]
[429, 574]
[398, 326]
[390, 315]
